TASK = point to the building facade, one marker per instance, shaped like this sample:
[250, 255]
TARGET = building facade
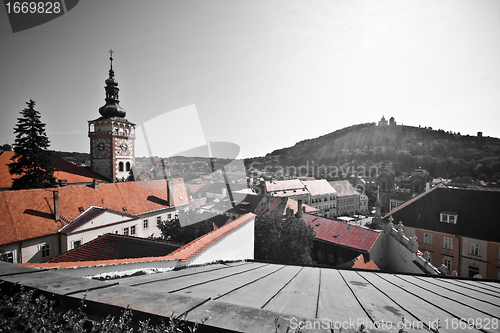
[459, 228]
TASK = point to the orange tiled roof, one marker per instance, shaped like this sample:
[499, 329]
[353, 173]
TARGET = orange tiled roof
[361, 264]
[183, 254]
[27, 214]
[63, 170]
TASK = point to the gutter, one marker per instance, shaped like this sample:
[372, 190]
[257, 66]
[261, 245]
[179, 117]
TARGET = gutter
[459, 254]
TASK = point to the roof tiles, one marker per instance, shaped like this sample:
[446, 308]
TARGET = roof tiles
[27, 214]
[341, 233]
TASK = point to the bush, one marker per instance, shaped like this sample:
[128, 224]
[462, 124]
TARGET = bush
[23, 312]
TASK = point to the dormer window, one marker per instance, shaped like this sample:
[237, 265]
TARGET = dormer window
[448, 217]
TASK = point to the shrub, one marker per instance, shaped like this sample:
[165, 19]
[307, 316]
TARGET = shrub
[23, 312]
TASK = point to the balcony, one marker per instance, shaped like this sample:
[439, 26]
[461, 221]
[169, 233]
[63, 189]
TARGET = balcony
[114, 133]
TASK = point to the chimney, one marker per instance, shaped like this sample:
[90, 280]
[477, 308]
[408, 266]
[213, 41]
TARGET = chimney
[427, 187]
[299, 209]
[95, 184]
[170, 192]
[56, 205]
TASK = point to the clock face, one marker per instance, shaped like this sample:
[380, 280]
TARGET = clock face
[123, 147]
[101, 147]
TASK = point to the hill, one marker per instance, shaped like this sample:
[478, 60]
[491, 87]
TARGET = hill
[443, 154]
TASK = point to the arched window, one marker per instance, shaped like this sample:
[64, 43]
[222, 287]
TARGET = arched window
[127, 166]
[120, 166]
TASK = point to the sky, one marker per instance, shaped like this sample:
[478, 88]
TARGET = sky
[261, 75]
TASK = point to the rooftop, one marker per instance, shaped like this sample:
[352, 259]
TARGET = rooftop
[27, 214]
[63, 170]
[248, 296]
[116, 246]
[318, 187]
[181, 254]
[478, 212]
[342, 233]
[343, 188]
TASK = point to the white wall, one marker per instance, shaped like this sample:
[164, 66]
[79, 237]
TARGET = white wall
[378, 252]
[31, 249]
[237, 245]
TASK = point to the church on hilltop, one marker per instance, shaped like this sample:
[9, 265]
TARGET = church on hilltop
[384, 122]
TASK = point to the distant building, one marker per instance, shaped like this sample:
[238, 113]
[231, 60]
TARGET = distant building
[393, 191]
[323, 196]
[347, 197]
[392, 122]
[382, 122]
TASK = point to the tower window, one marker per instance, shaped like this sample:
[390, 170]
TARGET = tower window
[120, 166]
[127, 166]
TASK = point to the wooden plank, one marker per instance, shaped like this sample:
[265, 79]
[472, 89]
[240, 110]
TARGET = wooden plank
[336, 300]
[424, 312]
[300, 296]
[218, 288]
[455, 309]
[174, 285]
[465, 298]
[380, 308]
[258, 293]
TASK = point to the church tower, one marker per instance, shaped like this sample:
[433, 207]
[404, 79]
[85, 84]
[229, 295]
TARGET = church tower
[112, 152]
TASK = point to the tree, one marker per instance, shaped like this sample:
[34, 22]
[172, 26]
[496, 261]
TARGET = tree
[171, 230]
[31, 161]
[285, 240]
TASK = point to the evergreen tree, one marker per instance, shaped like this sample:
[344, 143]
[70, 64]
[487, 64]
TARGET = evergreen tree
[31, 161]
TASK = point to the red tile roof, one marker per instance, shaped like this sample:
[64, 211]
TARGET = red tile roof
[27, 214]
[346, 235]
[63, 170]
[182, 254]
[115, 246]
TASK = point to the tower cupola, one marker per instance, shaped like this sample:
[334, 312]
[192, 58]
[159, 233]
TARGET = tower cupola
[112, 107]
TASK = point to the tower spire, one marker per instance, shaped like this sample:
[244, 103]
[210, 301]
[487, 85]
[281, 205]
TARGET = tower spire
[112, 107]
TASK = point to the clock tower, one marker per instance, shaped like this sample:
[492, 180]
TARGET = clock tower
[112, 136]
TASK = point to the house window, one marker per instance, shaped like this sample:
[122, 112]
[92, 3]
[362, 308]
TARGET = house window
[158, 219]
[427, 239]
[8, 257]
[132, 230]
[447, 263]
[474, 249]
[45, 250]
[169, 216]
[145, 224]
[77, 244]
[447, 243]
[448, 217]
[125, 231]
[330, 257]
[320, 255]
[473, 270]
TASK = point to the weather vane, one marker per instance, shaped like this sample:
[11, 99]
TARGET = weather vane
[111, 57]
